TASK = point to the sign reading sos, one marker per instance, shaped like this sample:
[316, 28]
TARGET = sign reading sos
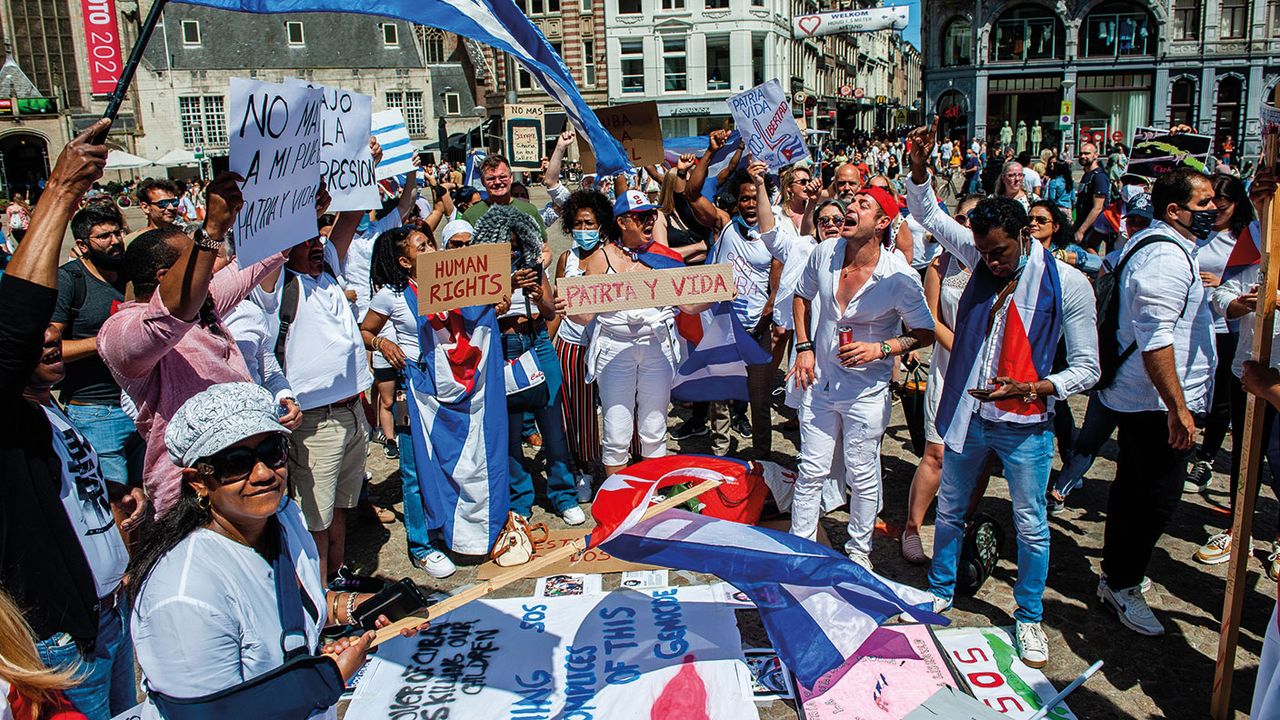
[102, 40]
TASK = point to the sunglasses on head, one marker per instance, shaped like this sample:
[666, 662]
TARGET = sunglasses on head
[166, 203]
[236, 463]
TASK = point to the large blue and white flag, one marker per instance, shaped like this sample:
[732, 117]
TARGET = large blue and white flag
[673, 148]
[474, 160]
[817, 605]
[458, 420]
[498, 23]
[717, 351]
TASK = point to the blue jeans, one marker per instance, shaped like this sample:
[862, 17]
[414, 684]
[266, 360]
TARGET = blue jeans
[105, 681]
[415, 509]
[1027, 454]
[1099, 423]
[560, 488]
[112, 434]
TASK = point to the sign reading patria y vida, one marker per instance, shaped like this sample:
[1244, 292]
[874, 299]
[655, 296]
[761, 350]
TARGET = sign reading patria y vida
[646, 289]
[474, 275]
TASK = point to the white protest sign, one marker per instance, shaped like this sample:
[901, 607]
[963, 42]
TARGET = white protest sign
[346, 164]
[275, 147]
[624, 655]
[397, 151]
[850, 21]
[763, 116]
[985, 658]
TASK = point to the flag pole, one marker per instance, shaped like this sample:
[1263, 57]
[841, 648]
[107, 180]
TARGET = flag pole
[521, 572]
[1253, 445]
[131, 66]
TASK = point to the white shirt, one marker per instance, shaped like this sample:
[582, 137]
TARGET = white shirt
[403, 320]
[1162, 305]
[324, 354]
[891, 297]
[84, 495]
[1031, 181]
[355, 268]
[792, 249]
[207, 618]
[551, 211]
[1219, 300]
[751, 262]
[923, 247]
[1211, 255]
[255, 324]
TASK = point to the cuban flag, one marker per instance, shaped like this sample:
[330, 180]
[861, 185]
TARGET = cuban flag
[1247, 251]
[1033, 326]
[717, 351]
[673, 148]
[458, 420]
[474, 159]
[498, 23]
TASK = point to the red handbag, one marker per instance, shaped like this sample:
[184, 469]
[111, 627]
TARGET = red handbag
[741, 501]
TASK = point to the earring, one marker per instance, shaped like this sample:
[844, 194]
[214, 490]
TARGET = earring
[202, 501]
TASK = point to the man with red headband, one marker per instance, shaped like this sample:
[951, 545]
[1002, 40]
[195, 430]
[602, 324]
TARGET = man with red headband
[855, 297]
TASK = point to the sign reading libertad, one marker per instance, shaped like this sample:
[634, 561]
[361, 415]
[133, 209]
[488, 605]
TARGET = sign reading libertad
[645, 289]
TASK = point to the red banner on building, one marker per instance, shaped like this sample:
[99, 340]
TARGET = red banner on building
[102, 38]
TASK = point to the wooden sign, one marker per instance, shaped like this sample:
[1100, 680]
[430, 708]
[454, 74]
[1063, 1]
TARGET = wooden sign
[646, 289]
[636, 127]
[473, 275]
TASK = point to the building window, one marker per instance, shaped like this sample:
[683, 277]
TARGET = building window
[452, 104]
[410, 105]
[538, 8]
[1273, 17]
[1028, 33]
[215, 120]
[675, 65]
[1186, 19]
[433, 45]
[631, 63]
[524, 79]
[1226, 125]
[390, 35]
[1235, 19]
[589, 63]
[716, 4]
[673, 4]
[189, 114]
[203, 119]
[757, 59]
[957, 43]
[190, 32]
[293, 31]
[1115, 30]
[1182, 102]
[586, 6]
[717, 62]
[629, 7]
[757, 3]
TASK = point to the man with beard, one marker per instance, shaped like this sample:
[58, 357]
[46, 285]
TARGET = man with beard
[88, 287]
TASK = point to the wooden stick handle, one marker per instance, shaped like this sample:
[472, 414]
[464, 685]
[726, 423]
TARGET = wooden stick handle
[521, 572]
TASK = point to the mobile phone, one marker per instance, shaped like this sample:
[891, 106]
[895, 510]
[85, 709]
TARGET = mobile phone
[981, 394]
[395, 601]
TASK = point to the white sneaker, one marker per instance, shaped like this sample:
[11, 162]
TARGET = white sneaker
[436, 564]
[1033, 646]
[1216, 550]
[1131, 608]
[941, 605]
[573, 515]
[861, 558]
[582, 483]
[1199, 477]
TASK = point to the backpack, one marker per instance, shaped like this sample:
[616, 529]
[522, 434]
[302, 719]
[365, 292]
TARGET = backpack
[289, 300]
[1107, 289]
[983, 539]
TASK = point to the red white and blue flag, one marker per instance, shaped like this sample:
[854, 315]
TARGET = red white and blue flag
[1247, 251]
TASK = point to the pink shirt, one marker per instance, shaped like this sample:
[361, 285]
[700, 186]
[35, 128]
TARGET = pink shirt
[161, 361]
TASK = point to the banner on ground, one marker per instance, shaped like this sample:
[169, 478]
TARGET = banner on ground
[526, 135]
[625, 655]
[763, 116]
[987, 661]
[275, 147]
[636, 127]
[1156, 152]
[346, 164]
[472, 275]
[646, 289]
[397, 151]
[850, 21]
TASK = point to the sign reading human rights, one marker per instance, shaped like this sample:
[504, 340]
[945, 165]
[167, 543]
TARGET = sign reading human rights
[646, 289]
[473, 275]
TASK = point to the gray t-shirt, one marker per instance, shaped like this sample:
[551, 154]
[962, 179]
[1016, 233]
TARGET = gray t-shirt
[84, 303]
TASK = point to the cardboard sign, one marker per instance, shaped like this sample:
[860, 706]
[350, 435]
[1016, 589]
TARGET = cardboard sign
[397, 150]
[593, 560]
[636, 127]
[526, 136]
[646, 289]
[473, 275]
[987, 661]
[763, 116]
[275, 147]
[346, 164]
[1156, 152]
[850, 21]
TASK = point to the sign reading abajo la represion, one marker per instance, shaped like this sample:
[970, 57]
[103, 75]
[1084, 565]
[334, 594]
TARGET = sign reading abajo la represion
[473, 275]
[346, 163]
[646, 289]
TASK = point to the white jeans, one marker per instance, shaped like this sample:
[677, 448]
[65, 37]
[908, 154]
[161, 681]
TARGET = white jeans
[860, 425]
[634, 378]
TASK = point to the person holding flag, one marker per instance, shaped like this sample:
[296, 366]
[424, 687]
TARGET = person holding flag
[999, 390]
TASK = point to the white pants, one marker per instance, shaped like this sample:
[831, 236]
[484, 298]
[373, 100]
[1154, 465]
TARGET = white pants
[634, 378]
[859, 425]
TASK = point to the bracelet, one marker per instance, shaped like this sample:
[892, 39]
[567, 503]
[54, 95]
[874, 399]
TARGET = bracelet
[805, 346]
[333, 607]
[351, 607]
[1031, 394]
[377, 343]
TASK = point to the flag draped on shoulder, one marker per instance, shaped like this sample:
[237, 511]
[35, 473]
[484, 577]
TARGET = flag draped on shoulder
[498, 23]
[458, 423]
[1247, 251]
[717, 351]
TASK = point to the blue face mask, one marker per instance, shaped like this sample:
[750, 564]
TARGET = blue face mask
[586, 239]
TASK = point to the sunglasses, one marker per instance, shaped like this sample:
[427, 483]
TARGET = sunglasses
[167, 203]
[835, 220]
[235, 464]
[647, 217]
[1039, 219]
[962, 218]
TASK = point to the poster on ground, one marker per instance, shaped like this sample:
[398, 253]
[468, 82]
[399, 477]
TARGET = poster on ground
[275, 147]
[987, 662]
[763, 116]
[346, 164]
[1156, 152]
[636, 127]
[625, 655]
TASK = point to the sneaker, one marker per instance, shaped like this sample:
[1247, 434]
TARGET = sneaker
[689, 429]
[1131, 608]
[913, 549]
[378, 438]
[1144, 586]
[1217, 549]
[1273, 565]
[1054, 506]
[1033, 646]
[391, 450]
[941, 605]
[861, 558]
[742, 426]
[436, 564]
[573, 515]
[1199, 478]
[582, 483]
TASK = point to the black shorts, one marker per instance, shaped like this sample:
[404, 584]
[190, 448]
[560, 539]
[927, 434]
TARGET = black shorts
[386, 374]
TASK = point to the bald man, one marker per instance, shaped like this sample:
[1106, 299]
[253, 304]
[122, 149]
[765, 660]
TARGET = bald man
[847, 183]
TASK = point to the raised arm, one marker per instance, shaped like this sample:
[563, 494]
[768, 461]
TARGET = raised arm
[184, 288]
[923, 204]
[707, 214]
[551, 177]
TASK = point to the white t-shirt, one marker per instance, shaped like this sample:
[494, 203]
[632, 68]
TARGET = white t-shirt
[751, 262]
[355, 269]
[84, 495]
[400, 317]
[324, 354]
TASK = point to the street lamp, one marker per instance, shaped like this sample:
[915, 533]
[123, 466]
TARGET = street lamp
[442, 130]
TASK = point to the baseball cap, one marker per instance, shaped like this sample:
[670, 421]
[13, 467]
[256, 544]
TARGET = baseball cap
[883, 198]
[632, 201]
[1139, 206]
[219, 417]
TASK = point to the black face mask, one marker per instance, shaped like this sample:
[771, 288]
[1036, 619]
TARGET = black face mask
[1202, 222]
[106, 261]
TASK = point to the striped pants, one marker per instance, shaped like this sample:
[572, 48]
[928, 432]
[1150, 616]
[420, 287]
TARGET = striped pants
[578, 405]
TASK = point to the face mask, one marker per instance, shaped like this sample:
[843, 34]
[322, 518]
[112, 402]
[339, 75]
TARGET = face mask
[1202, 222]
[586, 239]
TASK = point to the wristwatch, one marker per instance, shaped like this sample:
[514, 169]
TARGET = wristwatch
[204, 242]
[885, 349]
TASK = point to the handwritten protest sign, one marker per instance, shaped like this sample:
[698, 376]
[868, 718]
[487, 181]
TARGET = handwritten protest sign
[1156, 152]
[646, 289]
[473, 275]
[624, 655]
[397, 151]
[636, 127]
[763, 116]
[275, 147]
[526, 135]
[346, 165]
[986, 660]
